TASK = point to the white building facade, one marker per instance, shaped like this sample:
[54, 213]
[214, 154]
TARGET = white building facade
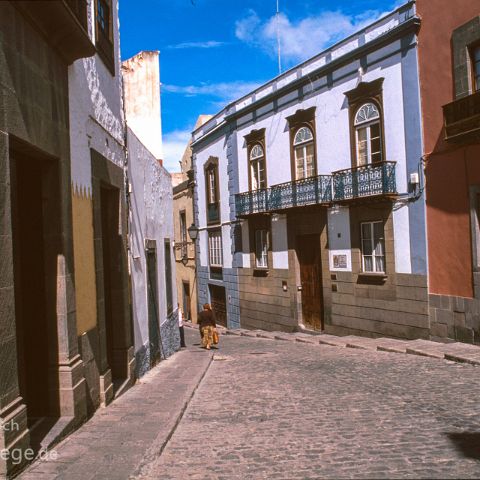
[309, 196]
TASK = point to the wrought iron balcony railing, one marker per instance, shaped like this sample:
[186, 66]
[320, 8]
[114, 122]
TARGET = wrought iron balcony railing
[349, 184]
[462, 119]
[365, 181]
[309, 191]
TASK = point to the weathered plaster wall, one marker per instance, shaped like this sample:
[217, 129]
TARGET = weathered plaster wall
[96, 124]
[449, 170]
[141, 75]
[151, 218]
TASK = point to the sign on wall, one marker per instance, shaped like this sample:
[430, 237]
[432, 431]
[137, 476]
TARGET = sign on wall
[339, 239]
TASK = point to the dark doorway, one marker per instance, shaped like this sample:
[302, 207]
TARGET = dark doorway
[153, 319]
[309, 257]
[35, 220]
[187, 311]
[219, 305]
[112, 280]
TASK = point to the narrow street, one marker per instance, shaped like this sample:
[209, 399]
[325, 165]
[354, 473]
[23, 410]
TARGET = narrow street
[259, 408]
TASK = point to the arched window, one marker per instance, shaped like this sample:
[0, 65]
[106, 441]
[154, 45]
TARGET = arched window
[304, 151]
[368, 134]
[257, 167]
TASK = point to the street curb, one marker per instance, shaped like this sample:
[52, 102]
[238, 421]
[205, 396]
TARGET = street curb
[413, 349]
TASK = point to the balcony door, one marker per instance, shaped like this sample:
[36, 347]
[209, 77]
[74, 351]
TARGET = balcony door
[309, 258]
[368, 135]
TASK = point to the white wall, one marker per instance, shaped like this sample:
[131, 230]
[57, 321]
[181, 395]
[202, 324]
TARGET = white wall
[151, 217]
[96, 115]
[332, 132]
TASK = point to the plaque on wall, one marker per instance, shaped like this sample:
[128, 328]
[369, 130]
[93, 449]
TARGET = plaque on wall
[339, 261]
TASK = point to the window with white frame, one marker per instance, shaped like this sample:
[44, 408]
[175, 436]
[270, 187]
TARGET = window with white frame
[368, 135]
[261, 248]
[212, 196]
[257, 167]
[215, 250]
[304, 152]
[373, 247]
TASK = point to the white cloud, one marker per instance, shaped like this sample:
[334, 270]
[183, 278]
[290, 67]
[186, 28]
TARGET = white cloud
[206, 44]
[225, 91]
[303, 38]
[174, 144]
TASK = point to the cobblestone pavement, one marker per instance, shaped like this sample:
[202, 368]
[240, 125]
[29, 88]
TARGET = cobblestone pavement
[284, 410]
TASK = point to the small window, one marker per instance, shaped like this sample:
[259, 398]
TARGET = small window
[257, 167]
[368, 135]
[373, 247]
[103, 18]
[215, 250]
[183, 233]
[476, 68]
[261, 248]
[304, 152]
[104, 33]
[212, 194]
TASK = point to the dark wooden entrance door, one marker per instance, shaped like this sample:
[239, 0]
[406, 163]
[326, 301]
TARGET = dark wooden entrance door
[153, 320]
[309, 257]
[186, 301]
[219, 304]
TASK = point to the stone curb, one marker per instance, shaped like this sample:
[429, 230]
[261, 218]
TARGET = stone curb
[454, 352]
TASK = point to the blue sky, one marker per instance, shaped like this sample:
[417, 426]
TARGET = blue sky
[214, 51]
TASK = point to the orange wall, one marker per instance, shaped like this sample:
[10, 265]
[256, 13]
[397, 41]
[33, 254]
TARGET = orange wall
[450, 170]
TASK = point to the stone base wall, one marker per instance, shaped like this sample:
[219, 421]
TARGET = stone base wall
[170, 336]
[361, 306]
[455, 318]
[263, 303]
[89, 348]
[230, 282]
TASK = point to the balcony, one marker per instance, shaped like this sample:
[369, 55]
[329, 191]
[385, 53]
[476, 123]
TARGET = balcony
[462, 120]
[64, 24]
[365, 181]
[369, 181]
[301, 193]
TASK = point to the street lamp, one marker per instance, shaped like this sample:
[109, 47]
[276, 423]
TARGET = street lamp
[193, 232]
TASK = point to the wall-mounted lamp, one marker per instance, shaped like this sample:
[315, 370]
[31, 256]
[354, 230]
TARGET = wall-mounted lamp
[193, 232]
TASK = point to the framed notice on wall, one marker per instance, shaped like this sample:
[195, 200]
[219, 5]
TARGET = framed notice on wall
[340, 261]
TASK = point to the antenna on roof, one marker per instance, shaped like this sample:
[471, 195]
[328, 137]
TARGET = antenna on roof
[278, 38]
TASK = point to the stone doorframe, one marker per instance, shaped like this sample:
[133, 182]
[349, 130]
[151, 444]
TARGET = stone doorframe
[68, 367]
[106, 173]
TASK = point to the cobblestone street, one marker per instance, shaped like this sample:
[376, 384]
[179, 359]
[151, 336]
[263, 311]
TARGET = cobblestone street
[284, 410]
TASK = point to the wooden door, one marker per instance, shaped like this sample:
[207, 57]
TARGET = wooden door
[219, 304]
[186, 301]
[153, 319]
[309, 257]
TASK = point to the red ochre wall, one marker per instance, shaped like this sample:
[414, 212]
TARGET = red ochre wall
[450, 170]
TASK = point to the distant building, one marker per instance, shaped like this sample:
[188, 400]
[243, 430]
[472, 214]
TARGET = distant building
[308, 193]
[183, 184]
[449, 63]
[152, 266]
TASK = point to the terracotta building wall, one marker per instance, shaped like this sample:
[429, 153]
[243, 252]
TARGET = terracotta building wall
[449, 170]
